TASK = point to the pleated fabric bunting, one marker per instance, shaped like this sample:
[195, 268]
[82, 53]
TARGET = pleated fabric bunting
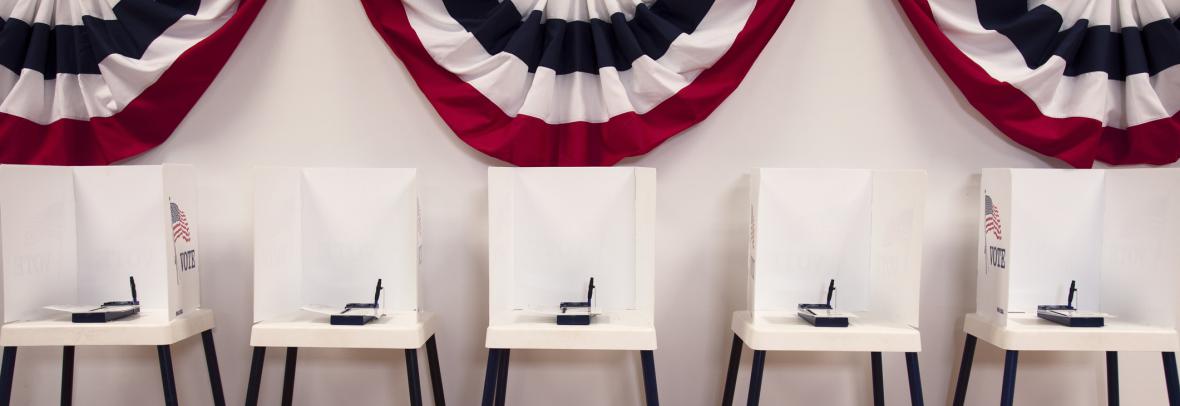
[1079, 80]
[575, 82]
[90, 82]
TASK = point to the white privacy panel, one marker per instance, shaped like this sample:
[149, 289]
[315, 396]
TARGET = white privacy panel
[1140, 255]
[571, 224]
[812, 225]
[1056, 237]
[326, 235]
[37, 219]
[122, 231]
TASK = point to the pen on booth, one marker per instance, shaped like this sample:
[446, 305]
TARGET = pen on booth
[831, 290]
[1073, 287]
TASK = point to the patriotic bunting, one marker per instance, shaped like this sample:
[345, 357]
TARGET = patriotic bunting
[585, 82]
[1078, 80]
[95, 81]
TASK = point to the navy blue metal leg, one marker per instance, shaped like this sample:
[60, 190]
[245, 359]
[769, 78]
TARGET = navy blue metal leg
[911, 364]
[255, 376]
[67, 375]
[735, 359]
[1169, 377]
[652, 394]
[214, 371]
[1009, 388]
[878, 383]
[166, 375]
[756, 378]
[289, 375]
[413, 378]
[502, 377]
[435, 372]
[6, 370]
[489, 378]
[964, 371]
[1112, 378]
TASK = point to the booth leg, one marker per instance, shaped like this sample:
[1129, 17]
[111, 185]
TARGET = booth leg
[1009, 388]
[435, 372]
[650, 391]
[964, 371]
[1169, 377]
[289, 375]
[1112, 378]
[911, 364]
[255, 376]
[214, 370]
[412, 377]
[878, 382]
[67, 375]
[735, 359]
[756, 378]
[6, 370]
[489, 378]
[502, 377]
[166, 374]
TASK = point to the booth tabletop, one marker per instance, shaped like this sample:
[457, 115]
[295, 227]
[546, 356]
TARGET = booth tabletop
[397, 330]
[149, 327]
[785, 331]
[1026, 332]
[550, 336]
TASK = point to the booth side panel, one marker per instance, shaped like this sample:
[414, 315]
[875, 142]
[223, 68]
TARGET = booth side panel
[182, 216]
[278, 263]
[899, 201]
[1140, 258]
[995, 235]
[37, 226]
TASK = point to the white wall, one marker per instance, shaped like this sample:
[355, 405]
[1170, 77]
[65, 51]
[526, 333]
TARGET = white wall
[844, 83]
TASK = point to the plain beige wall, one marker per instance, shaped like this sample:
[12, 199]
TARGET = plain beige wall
[843, 84]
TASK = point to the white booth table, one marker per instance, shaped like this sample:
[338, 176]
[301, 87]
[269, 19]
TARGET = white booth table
[808, 227]
[73, 235]
[550, 231]
[325, 236]
[1104, 229]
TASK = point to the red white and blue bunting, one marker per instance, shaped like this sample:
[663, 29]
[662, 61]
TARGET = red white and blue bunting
[1079, 80]
[586, 82]
[86, 82]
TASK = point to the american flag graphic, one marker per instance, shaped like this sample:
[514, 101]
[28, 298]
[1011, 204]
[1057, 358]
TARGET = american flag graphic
[991, 219]
[179, 224]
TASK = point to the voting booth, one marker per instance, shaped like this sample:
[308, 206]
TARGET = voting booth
[550, 231]
[857, 231]
[323, 237]
[72, 239]
[1111, 234]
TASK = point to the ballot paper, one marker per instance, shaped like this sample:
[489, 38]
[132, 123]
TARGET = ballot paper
[830, 313]
[1078, 313]
[91, 308]
[340, 310]
[556, 311]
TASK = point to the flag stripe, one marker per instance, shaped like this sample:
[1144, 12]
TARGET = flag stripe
[578, 46]
[77, 49]
[1084, 48]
